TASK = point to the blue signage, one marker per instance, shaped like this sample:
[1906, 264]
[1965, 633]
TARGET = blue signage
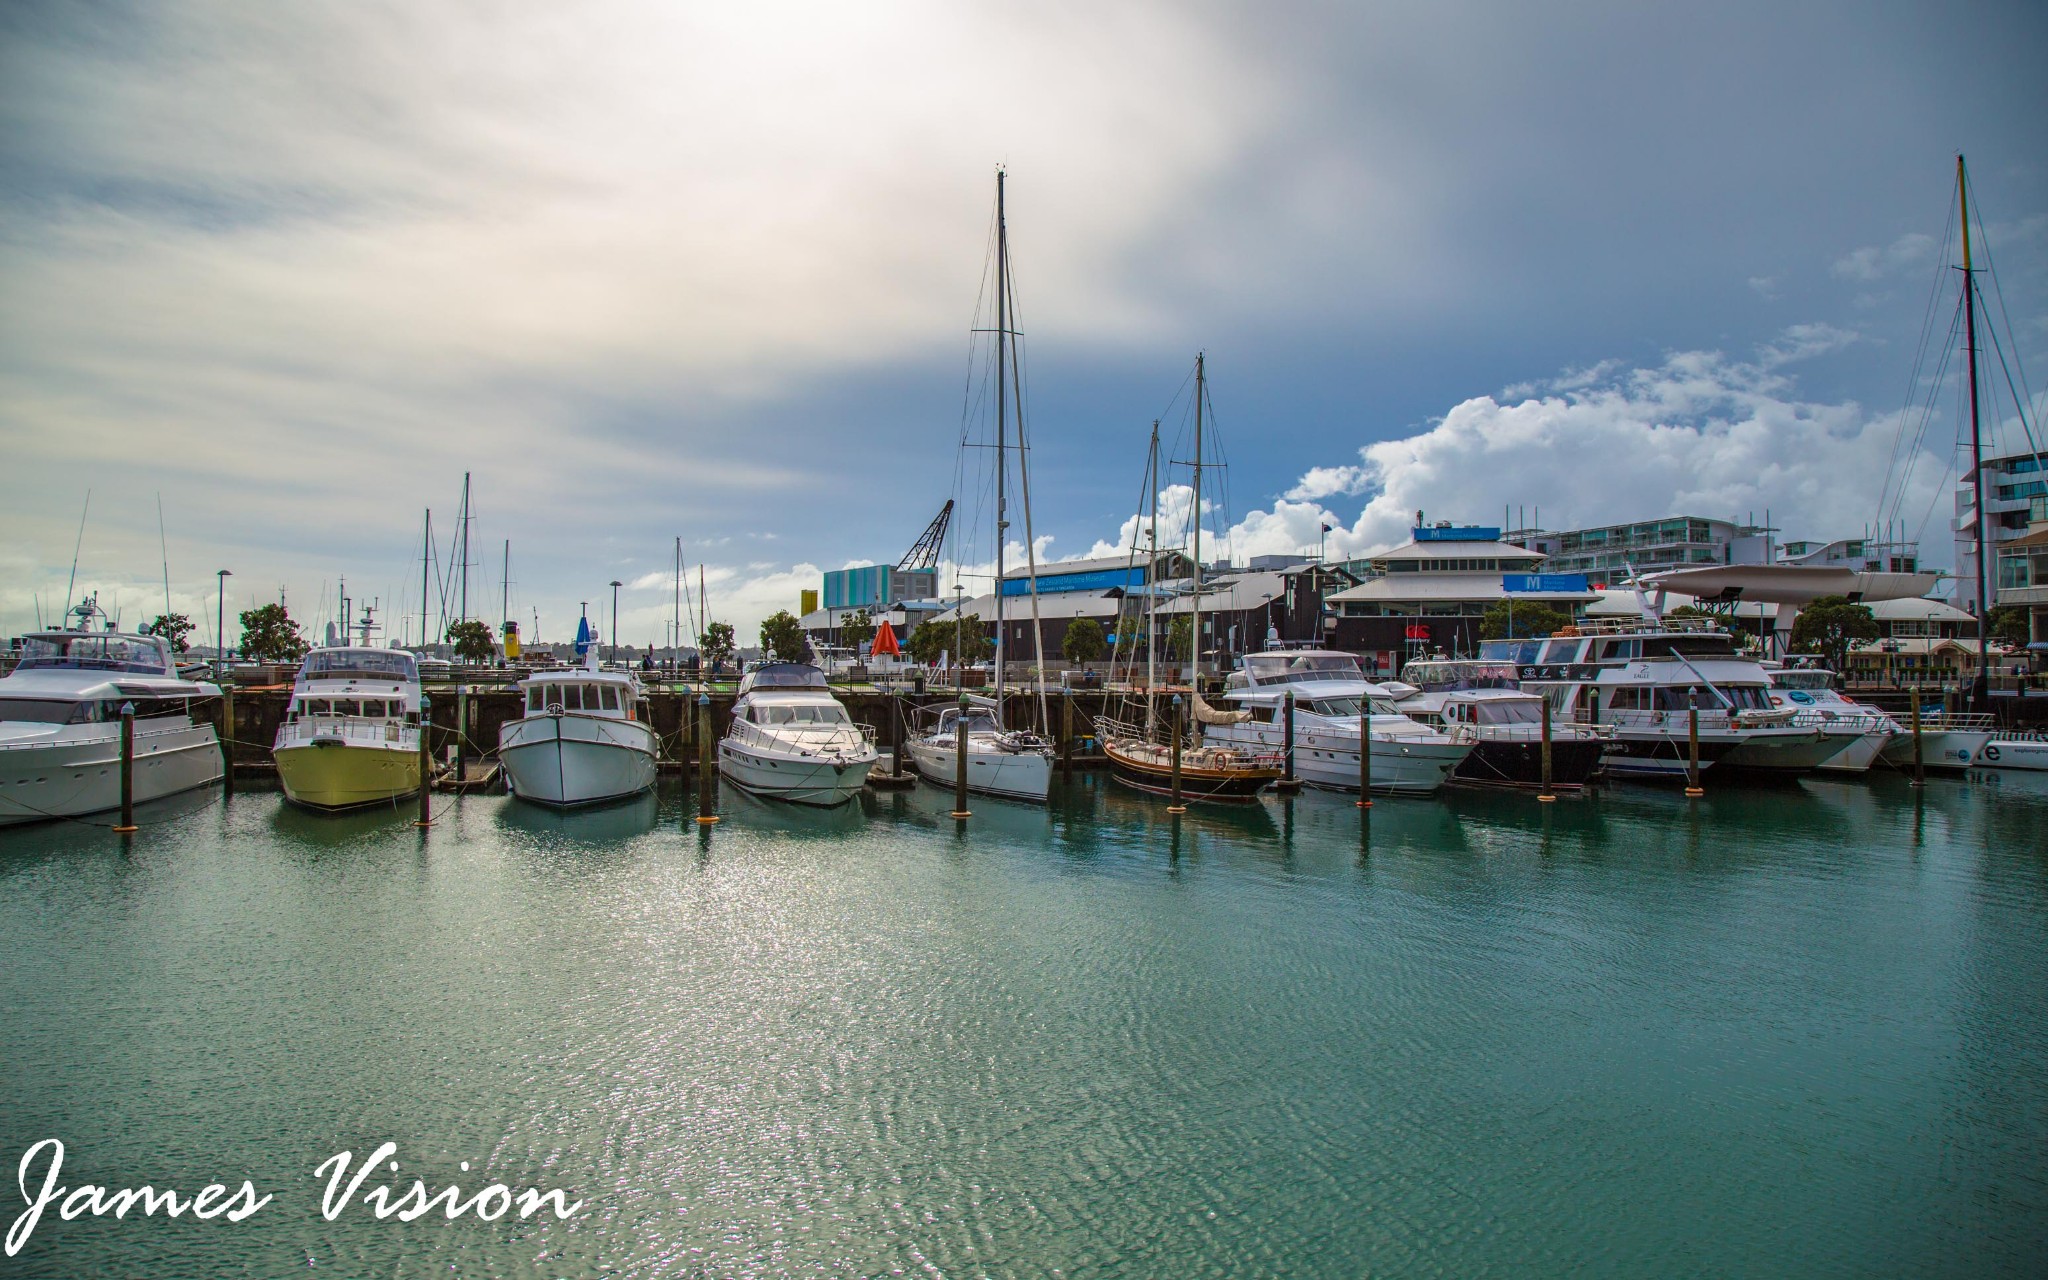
[1458, 533]
[1050, 581]
[1545, 583]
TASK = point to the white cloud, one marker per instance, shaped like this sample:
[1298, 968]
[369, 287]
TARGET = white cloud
[1872, 262]
[1328, 482]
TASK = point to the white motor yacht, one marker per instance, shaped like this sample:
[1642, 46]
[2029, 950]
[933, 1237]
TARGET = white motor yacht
[791, 739]
[1643, 676]
[1812, 689]
[1950, 741]
[60, 724]
[1331, 698]
[583, 739]
[351, 735]
[1483, 703]
[1000, 762]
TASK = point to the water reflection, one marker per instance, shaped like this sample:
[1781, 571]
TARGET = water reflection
[591, 826]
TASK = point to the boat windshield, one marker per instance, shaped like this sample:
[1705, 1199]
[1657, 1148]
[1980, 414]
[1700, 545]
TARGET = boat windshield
[1347, 707]
[1452, 677]
[373, 664]
[1803, 679]
[141, 655]
[787, 675]
[800, 715]
[977, 722]
[1508, 711]
[1286, 668]
[47, 711]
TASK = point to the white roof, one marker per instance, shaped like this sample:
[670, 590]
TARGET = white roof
[1052, 604]
[1918, 609]
[1233, 594]
[1412, 550]
[1396, 587]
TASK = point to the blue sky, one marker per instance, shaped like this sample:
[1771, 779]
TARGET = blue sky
[655, 271]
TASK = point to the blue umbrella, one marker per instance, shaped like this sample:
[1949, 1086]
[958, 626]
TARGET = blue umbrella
[582, 637]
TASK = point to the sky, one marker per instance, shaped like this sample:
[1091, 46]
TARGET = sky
[661, 271]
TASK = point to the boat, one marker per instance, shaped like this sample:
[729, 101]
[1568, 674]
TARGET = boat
[351, 734]
[1001, 761]
[1812, 689]
[791, 739]
[60, 722]
[1950, 742]
[2015, 751]
[583, 739]
[1484, 704]
[1331, 695]
[1218, 765]
[1642, 677]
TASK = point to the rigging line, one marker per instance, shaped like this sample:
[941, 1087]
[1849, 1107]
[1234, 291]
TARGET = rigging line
[2019, 408]
[1926, 418]
[65, 619]
[1913, 383]
[1998, 291]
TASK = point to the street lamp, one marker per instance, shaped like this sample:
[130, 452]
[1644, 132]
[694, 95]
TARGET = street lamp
[615, 621]
[220, 619]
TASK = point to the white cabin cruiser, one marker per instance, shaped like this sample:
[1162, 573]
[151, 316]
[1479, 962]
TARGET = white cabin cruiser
[1331, 696]
[791, 739]
[1950, 741]
[583, 739]
[1642, 676]
[1000, 762]
[1483, 703]
[351, 735]
[1812, 689]
[60, 724]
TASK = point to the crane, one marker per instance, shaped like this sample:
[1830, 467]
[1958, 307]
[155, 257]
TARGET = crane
[925, 554]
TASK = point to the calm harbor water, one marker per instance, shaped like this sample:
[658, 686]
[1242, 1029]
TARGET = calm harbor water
[1796, 1031]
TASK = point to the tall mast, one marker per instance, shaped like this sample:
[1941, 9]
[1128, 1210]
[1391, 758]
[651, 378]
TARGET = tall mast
[677, 641]
[1195, 632]
[1002, 419]
[465, 548]
[1981, 686]
[1151, 569]
[505, 587]
[426, 559]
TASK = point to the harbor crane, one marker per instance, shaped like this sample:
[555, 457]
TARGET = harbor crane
[925, 554]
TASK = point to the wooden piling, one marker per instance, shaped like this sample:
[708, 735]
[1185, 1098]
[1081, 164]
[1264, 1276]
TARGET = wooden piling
[1919, 761]
[1546, 795]
[127, 826]
[426, 818]
[707, 764]
[1364, 752]
[227, 738]
[1177, 806]
[1692, 744]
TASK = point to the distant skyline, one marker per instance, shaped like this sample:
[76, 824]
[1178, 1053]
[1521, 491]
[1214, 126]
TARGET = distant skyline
[654, 271]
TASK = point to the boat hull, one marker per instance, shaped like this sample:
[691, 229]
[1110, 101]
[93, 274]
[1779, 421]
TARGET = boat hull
[1018, 775]
[1655, 754]
[325, 774]
[565, 760]
[1328, 760]
[1574, 762]
[1862, 752]
[41, 779]
[2014, 753]
[1947, 750]
[1785, 751]
[823, 782]
[1151, 770]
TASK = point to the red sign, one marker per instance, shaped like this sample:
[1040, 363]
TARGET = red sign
[1418, 631]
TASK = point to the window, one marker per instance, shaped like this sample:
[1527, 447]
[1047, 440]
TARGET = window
[533, 698]
[1628, 698]
[572, 697]
[46, 711]
[611, 698]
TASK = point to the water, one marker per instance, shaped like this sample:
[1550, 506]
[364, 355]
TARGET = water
[1797, 1031]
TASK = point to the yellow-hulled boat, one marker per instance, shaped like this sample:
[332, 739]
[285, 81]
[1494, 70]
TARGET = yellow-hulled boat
[351, 736]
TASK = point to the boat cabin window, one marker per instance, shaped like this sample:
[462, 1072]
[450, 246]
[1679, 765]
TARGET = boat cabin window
[1520, 652]
[1566, 650]
[610, 697]
[47, 711]
[376, 664]
[1692, 646]
[1285, 668]
[803, 715]
[1803, 679]
[977, 722]
[533, 698]
[93, 651]
[1618, 650]
[1629, 698]
[1450, 677]
[1348, 706]
[1504, 712]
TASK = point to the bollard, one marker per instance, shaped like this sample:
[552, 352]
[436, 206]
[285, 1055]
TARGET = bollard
[960, 809]
[1067, 736]
[227, 738]
[1546, 796]
[1919, 762]
[461, 733]
[1288, 782]
[1692, 743]
[1364, 752]
[426, 818]
[1176, 806]
[127, 769]
[707, 766]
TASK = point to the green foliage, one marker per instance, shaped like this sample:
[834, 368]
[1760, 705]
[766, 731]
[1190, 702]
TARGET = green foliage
[715, 647]
[2008, 623]
[472, 640]
[270, 635]
[966, 640]
[857, 630]
[1178, 634]
[1520, 620]
[1084, 641]
[1829, 626]
[174, 627]
[783, 638]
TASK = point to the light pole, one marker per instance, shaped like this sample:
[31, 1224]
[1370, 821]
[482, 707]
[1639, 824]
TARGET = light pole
[220, 620]
[615, 621]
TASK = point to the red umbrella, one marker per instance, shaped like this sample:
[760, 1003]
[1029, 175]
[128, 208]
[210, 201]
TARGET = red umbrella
[885, 641]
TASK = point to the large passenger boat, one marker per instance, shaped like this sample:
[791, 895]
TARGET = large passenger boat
[1644, 677]
[792, 740]
[60, 723]
[1332, 698]
[351, 736]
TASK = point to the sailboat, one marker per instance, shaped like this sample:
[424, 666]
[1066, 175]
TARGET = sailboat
[1192, 769]
[1000, 760]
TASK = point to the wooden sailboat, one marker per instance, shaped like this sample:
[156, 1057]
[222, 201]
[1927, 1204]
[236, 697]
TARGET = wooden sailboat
[1179, 764]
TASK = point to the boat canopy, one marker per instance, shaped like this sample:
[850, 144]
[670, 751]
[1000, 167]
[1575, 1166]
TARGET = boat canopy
[361, 664]
[784, 675]
[1283, 667]
[96, 651]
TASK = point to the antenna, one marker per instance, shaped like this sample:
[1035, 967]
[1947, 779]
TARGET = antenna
[74, 553]
[164, 546]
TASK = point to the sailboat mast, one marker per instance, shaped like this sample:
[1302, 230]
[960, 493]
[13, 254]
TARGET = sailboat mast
[505, 587]
[1980, 687]
[1002, 419]
[1151, 579]
[426, 559]
[465, 548]
[1195, 631]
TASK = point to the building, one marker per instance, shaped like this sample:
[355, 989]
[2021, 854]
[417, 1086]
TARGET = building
[2015, 498]
[878, 586]
[1675, 542]
[1245, 611]
[2022, 579]
[1868, 555]
[1431, 593]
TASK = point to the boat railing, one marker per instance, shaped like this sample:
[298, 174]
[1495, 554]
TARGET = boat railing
[1957, 721]
[817, 739]
[356, 729]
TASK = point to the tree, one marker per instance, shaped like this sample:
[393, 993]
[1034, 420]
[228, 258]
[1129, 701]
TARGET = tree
[857, 630]
[173, 627]
[1516, 620]
[715, 646]
[2008, 623]
[783, 638]
[966, 640]
[270, 635]
[1829, 625]
[1084, 641]
[472, 640]
[1177, 633]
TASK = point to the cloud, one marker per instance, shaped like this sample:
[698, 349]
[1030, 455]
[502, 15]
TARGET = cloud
[1873, 263]
[1327, 482]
